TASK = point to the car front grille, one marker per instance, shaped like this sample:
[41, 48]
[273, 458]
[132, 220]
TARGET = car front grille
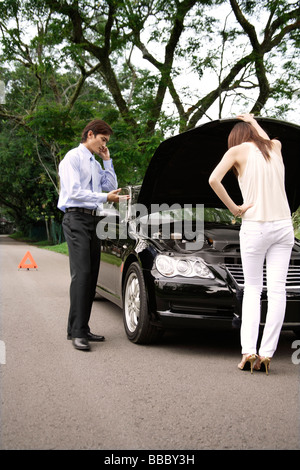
[235, 272]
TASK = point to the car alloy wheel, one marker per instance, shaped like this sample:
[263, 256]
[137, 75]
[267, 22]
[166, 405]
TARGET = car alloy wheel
[135, 308]
[132, 302]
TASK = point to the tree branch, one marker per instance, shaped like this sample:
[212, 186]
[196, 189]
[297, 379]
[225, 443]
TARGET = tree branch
[205, 103]
[247, 27]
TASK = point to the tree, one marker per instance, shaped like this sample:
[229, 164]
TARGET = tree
[105, 30]
[131, 62]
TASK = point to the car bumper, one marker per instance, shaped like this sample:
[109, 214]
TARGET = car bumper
[292, 312]
[179, 302]
[189, 302]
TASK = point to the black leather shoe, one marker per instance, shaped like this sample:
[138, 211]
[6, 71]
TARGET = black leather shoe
[91, 337]
[81, 343]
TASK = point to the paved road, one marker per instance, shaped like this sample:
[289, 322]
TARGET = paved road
[185, 393]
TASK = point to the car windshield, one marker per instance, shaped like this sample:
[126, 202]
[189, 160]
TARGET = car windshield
[219, 215]
[164, 214]
[178, 223]
[197, 213]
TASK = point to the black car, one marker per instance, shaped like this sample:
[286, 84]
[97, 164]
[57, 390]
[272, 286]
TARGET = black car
[170, 256]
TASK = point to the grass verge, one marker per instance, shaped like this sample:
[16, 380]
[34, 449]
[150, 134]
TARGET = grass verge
[60, 248]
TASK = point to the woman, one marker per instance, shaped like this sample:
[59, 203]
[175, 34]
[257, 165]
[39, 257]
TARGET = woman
[266, 234]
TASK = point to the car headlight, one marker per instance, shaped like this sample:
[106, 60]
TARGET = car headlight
[165, 265]
[188, 267]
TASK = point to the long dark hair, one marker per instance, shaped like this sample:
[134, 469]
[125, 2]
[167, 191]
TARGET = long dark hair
[245, 132]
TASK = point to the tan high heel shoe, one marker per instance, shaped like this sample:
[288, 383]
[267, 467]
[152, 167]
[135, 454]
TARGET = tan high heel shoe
[247, 360]
[263, 360]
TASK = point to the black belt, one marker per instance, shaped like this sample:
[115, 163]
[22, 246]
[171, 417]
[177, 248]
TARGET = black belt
[83, 210]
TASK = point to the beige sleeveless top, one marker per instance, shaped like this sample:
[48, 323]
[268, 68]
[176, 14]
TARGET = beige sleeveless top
[262, 184]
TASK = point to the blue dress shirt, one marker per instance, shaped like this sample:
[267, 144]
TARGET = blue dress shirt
[75, 172]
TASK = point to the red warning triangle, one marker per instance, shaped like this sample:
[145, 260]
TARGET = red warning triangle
[24, 265]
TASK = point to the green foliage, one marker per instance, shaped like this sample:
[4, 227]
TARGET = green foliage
[296, 223]
[149, 68]
[25, 189]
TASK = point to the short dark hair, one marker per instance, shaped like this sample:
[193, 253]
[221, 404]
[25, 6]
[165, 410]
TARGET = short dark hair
[97, 126]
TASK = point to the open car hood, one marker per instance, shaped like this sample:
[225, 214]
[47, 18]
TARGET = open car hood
[180, 168]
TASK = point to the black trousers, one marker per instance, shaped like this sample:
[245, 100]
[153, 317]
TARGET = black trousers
[84, 258]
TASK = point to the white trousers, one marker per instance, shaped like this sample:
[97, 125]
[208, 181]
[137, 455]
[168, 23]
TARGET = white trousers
[260, 242]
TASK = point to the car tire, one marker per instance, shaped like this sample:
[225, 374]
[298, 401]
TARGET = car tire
[136, 316]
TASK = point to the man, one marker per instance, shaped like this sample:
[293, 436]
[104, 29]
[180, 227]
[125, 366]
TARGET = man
[82, 182]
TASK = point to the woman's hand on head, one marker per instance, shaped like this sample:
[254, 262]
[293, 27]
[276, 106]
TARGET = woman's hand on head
[247, 117]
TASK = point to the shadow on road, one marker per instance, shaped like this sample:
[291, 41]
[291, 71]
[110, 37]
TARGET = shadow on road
[7, 240]
[225, 342]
